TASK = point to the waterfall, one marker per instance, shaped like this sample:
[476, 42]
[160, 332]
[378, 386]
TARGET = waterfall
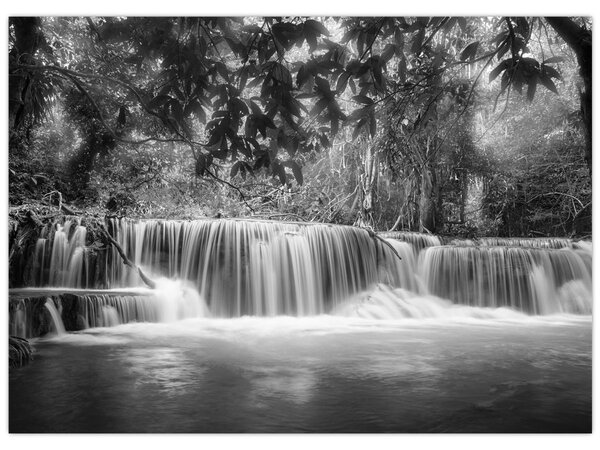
[57, 322]
[78, 309]
[233, 268]
[526, 279]
[257, 268]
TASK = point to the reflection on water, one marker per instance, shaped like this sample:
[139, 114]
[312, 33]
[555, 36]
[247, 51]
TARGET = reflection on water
[324, 374]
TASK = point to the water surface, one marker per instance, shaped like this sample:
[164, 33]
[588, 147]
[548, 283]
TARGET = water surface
[322, 374]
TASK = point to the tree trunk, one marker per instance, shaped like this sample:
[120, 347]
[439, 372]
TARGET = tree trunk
[27, 36]
[427, 202]
[369, 184]
[464, 192]
[580, 40]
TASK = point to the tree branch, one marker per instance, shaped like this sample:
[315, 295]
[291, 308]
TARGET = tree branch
[149, 282]
[242, 196]
[74, 77]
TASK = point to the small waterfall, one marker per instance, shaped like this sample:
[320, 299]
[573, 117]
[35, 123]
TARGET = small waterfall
[418, 240]
[103, 310]
[57, 322]
[110, 316]
[526, 279]
[59, 258]
[526, 242]
[39, 260]
[18, 323]
[80, 309]
[407, 270]
[172, 301]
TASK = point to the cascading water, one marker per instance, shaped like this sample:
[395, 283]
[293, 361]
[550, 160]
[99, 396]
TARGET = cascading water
[80, 309]
[57, 322]
[233, 268]
[526, 242]
[476, 335]
[527, 279]
[418, 240]
[238, 267]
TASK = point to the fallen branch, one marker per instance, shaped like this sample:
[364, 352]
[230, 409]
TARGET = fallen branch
[149, 282]
[271, 216]
[379, 238]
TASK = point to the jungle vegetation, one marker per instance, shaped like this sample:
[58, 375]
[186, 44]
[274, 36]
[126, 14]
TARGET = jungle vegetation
[451, 125]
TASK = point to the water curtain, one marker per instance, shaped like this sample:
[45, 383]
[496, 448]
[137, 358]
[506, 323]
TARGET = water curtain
[263, 268]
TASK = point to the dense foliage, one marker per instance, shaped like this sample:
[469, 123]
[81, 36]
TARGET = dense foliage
[406, 123]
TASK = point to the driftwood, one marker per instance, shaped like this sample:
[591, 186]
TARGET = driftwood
[149, 282]
[376, 237]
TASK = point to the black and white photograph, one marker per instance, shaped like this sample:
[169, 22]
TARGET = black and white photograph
[314, 224]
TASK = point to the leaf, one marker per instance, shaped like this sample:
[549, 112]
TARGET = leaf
[254, 144]
[234, 169]
[549, 84]
[353, 67]
[418, 42]
[469, 51]
[342, 82]
[360, 113]
[388, 52]
[504, 82]
[363, 99]
[550, 72]
[215, 137]
[323, 86]
[279, 171]
[523, 26]
[255, 108]
[250, 128]
[358, 127]
[269, 123]
[319, 107]
[302, 76]
[296, 170]
[334, 127]
[243, 78]
[245, 149]
[203, 163]
[281, 74]
[318, 27]
[222, 70]
[239, 106]
[499, 68]
[554, 59]
[262, 161]
[503, 49]
[402, 69]
[352, 85]
[255, 82]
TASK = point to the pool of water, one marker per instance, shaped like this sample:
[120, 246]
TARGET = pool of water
[322, 374]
